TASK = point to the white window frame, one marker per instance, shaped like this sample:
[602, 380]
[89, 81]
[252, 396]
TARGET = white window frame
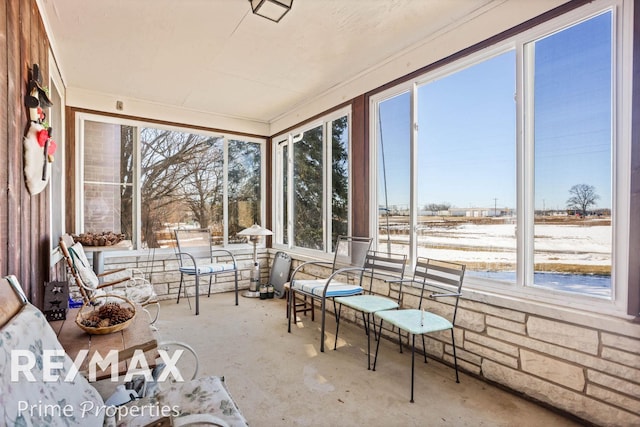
[58, 204]
[288, 139]
[622, 12]
[138, 124]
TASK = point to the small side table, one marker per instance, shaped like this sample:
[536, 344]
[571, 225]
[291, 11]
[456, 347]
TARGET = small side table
[98, 253]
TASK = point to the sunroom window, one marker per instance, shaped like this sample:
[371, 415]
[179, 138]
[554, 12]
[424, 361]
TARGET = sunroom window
[312, 184]
[507, 159]
[146, 181]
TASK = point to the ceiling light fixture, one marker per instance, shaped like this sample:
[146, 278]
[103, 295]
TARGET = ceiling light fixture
[273, 10]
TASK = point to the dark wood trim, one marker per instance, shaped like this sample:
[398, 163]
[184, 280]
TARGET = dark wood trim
[360, 151]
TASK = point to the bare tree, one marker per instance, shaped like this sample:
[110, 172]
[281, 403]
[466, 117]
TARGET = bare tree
[164, 155]
[582, 197]
[437, 207]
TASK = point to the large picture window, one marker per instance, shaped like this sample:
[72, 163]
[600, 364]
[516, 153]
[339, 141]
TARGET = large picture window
[144, 182]
[312, 184]
[507, 161]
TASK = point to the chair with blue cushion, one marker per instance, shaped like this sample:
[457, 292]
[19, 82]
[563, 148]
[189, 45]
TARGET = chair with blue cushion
[344, 278]
[198, 258]
[437, 279]
[378, 265]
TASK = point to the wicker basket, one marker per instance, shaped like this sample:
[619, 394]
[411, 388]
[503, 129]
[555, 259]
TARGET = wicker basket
[96, 303]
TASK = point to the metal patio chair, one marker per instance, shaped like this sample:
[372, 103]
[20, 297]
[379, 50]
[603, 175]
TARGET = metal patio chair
[344, 279]
[377, 264]
[198, 258]
[437, 279]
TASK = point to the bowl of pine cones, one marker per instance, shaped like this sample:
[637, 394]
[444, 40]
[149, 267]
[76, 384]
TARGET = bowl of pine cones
[106, 314]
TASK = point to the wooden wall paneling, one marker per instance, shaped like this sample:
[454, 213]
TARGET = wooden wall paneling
[13, 139]
[4, 146]
[70, 166]
[359, 169]
[26, 254]
[24, 222]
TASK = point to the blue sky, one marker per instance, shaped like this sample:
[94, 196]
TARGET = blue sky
[467, 132]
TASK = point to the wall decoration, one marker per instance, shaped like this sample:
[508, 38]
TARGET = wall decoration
[38, 145]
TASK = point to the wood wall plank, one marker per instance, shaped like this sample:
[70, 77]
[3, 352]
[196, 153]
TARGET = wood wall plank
[4, 148]
[24, 219]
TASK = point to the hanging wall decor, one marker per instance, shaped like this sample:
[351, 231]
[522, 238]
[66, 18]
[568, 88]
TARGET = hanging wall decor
[39, 147]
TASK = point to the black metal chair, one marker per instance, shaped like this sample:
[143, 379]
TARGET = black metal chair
[377, 265]
[344, 279]
[438, 279]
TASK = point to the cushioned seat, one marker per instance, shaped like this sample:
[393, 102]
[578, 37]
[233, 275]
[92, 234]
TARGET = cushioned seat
[344, 278]
[198, 258]
[335, 289]
[378, 265]
[207, 268]
[124, 282]
[437, 279]
[57, 395]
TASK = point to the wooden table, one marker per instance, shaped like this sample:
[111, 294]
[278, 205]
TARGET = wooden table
[74, 339]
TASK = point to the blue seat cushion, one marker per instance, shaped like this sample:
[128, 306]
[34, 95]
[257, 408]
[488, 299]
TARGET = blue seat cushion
[414, 321]
[315, 287]
[207, 269]
[368, 303]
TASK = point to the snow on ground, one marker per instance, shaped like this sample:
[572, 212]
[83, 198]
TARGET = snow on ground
[496, 243]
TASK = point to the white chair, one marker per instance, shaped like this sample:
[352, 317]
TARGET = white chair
[344, 278]
[57, 395]
[125, 282]
[438, 279]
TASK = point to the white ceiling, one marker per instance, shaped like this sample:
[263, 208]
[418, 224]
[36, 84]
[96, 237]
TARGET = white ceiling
[216, 57]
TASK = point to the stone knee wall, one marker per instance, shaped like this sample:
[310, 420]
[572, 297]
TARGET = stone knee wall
[584, 364]
[161, 269]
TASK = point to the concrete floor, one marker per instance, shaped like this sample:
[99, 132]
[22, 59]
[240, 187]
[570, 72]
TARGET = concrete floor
[282, 379]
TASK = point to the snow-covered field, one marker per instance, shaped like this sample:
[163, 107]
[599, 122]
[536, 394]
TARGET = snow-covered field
[584, 248]
[565, 244]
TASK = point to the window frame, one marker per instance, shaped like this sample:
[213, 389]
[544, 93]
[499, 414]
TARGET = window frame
[622, 40]
[57, 210]
[81, 117]
[288, 139]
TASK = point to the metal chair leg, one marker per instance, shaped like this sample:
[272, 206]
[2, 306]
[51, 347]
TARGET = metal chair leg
[424, 349]
[236, 281]
[180, 288]
[375, 359]
[338, 312]
[209, 291]
[455, 359]
[413, 363]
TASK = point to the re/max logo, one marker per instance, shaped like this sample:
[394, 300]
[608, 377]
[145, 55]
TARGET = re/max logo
[51, 363]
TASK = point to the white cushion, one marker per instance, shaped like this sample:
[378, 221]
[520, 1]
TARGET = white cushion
[81, 263]
[207, 268]
[316, 287]
[30, 332]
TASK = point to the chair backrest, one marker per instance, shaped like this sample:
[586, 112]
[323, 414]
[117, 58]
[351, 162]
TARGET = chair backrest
[440, 278]
[385, 264]
[196, 242]
[76, 258]
[351, 252]
[39, 384]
